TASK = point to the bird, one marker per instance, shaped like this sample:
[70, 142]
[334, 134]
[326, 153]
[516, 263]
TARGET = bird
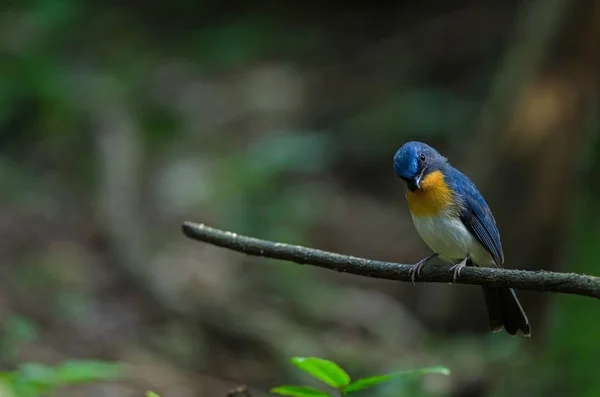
[453, 219]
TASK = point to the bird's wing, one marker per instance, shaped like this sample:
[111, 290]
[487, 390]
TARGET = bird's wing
[477, 217]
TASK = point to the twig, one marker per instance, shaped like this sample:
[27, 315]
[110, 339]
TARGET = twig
[568, 283]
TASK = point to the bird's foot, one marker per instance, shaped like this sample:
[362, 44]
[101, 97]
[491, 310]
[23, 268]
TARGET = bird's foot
[457, 268]
[415, 270]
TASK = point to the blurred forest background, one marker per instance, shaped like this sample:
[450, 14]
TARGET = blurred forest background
[120, 120]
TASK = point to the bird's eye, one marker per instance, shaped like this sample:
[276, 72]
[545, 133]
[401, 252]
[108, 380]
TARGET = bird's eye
[422, 157]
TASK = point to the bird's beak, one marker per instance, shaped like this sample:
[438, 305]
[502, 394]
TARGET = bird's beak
[414, 183]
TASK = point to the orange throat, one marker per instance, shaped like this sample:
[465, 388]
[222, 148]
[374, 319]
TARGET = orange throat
[432, 198]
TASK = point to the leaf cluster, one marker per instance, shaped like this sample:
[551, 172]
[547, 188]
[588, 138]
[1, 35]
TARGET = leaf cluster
[334, 376]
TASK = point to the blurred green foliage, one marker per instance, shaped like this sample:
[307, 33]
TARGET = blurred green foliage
[573, 347]
[33, 379]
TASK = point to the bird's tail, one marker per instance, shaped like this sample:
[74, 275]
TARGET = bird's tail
[505, 310]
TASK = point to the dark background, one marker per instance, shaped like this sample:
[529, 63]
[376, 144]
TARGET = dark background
[119, 120]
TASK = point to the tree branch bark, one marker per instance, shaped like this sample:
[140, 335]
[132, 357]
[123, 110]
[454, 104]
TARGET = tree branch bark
[567, 283]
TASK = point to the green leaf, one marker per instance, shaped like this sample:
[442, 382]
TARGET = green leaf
[325, 370]
[86, 371]
[375, 380]
[151, 394]
[299, 391]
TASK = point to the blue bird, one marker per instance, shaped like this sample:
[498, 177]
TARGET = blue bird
[454, 220]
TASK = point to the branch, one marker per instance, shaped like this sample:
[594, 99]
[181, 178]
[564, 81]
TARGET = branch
[568, 283]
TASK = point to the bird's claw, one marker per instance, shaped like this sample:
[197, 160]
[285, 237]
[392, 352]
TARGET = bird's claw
[415, 270]
[457, 269]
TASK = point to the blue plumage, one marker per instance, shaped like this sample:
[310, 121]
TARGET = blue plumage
[406, 161]
[475, 213]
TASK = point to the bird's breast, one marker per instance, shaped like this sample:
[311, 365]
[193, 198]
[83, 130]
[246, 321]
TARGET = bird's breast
[432, 198]
[446, 235]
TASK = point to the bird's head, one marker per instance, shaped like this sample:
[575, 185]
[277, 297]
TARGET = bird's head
[414, 161]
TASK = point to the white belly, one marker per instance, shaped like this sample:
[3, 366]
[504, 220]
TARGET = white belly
[450, 239]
